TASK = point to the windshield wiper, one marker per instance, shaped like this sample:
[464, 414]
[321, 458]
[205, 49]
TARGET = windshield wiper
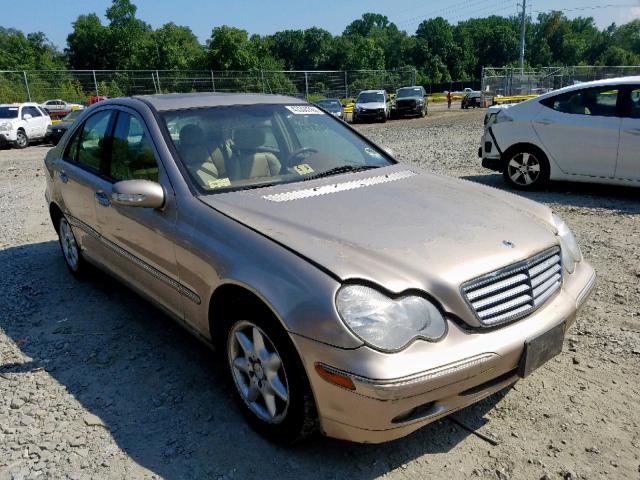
[338, 170]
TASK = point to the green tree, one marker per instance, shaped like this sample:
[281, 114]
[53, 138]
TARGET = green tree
[229, 48]
[87, 44]
[172, 47]
[126, 37]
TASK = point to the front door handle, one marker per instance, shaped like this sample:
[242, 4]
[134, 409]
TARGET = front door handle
[103, 199]
[544, 121]
[633, 131]
[64, 178]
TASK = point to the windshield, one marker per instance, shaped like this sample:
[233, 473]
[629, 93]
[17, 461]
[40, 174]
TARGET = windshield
[72, 116]
[8, 112]
[409, 92]
[330, 104]
[238, 147]
[370, 97]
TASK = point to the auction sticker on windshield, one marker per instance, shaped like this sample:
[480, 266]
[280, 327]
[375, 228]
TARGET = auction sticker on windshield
[304, 110]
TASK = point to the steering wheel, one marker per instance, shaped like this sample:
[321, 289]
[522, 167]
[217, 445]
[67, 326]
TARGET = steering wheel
[300, 151]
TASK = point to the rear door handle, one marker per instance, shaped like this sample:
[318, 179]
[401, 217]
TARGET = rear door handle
[544, 121]
[64, 178]
[103, 199]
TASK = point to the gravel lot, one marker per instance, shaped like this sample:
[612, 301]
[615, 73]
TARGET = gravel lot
[96, 383]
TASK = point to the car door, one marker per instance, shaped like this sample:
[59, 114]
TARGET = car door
[29, 125]
[139, 241]
[77, 176]
[628, 167]
[580, 130]
[38, 122]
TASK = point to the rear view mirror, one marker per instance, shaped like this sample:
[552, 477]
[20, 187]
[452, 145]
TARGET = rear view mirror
[138, 193]
[27, 116]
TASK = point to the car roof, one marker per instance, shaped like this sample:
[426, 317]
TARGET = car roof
[595, 83]
[372, 91]
[179, 101]
[23, 104]
[410, 87]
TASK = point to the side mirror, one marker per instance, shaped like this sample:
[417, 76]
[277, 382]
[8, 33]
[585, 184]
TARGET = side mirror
[27, 116]
[389, 151]
[138, 193]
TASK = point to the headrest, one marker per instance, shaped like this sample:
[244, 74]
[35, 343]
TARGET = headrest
[249, 138]
[191, 134]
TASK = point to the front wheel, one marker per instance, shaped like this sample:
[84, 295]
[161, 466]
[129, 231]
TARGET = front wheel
[21, 139]
[526, 168]
[270, 383]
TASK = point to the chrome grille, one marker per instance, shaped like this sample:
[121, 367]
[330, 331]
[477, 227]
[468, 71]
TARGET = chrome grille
[515, 291]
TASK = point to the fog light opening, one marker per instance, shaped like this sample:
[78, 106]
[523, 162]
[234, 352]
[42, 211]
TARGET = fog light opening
[331, 376]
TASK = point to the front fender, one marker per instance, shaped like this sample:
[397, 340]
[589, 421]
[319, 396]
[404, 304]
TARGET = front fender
[218, 250]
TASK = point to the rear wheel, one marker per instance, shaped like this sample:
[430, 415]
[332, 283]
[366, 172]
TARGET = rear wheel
[526, 168]
[70, 249]
[269, 381]
[21, 139]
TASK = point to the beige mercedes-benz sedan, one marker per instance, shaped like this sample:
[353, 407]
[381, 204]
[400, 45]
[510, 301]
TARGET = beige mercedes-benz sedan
[347, 292]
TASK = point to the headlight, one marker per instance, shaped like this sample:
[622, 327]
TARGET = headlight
[571, 253]
[385, 323]
[5, 127]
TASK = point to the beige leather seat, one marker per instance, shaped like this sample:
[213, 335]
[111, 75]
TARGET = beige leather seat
[196, 155]
[249, 160]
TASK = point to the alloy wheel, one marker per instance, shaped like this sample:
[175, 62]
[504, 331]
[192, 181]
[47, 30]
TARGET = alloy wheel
[69, 245]
[21, 139]
[524, 169]
[258, 372]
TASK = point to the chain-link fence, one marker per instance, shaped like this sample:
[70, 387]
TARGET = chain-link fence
[78, 85]
[510, 81]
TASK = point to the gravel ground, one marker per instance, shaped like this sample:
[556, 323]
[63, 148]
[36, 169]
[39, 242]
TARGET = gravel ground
[96, 383]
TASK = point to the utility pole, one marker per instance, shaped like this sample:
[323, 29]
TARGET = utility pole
[523, 19]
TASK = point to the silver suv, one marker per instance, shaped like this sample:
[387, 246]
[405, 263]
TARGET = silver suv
[371, 105]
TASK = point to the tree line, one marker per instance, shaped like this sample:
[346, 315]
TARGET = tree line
[438, 50]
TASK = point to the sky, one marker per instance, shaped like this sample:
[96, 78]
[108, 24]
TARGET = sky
[54, 18]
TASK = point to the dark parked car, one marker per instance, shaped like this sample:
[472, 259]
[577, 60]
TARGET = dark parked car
[470, 101]
[331, 105]
[59, 129]
[409, 101]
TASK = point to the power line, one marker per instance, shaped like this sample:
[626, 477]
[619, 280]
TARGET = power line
[439, 12]
[594, 7]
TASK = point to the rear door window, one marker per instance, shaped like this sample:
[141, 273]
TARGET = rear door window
[599, 101]
[634, 102]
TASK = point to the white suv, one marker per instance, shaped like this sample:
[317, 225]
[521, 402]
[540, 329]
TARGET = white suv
[21, 123]
[589, 132]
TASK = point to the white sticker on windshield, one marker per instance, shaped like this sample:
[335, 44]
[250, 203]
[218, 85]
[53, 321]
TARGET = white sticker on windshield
[303, 110]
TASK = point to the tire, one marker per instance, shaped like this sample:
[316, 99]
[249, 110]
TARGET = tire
[21, 140]
[423, 112]
[525, 168]
[71, 251]
[271, 387]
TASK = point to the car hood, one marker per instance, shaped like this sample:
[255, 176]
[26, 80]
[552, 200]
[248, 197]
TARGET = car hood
[398, 227]
[370, 105]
